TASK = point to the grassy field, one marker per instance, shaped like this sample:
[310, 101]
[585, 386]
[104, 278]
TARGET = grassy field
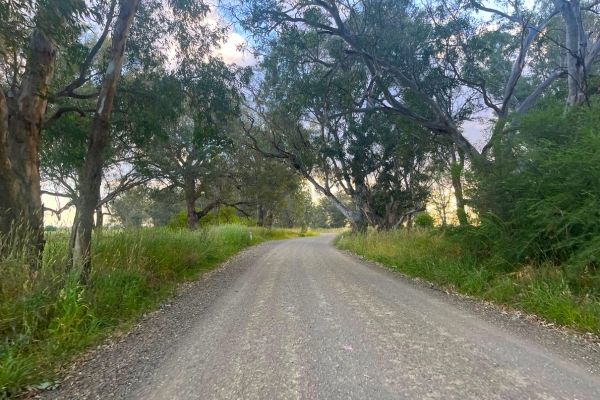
[442, 259]
[46, 318]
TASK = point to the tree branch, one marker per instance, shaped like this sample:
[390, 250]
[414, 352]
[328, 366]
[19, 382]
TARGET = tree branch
[64, 110]
[531, 99]
[68, 91]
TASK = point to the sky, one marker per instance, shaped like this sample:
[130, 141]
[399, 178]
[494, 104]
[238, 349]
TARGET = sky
[234, 49]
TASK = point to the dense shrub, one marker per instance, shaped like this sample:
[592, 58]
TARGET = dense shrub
[221, 215]
[539, 201]
[424, 220]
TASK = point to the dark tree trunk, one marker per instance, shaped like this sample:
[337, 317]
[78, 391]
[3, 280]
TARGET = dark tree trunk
[99, 219]
[260, 219]
[409, 221]
[190, 195]
[99, 140]
[363, 218]
[360, 224]
[192, 215]
[269, 219]
[21, 117]
[456, 170]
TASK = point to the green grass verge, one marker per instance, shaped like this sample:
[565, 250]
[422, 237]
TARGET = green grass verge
[46, 318]
[442, 259]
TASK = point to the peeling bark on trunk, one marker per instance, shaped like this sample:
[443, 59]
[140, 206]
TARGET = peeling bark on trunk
[576, 50]
[99, 140]
[21, 116]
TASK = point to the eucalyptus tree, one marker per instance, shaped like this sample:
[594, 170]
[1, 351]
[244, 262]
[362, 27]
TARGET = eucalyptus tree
[565, 32]
[325, 215]
[181, 21]
[392, 41]
[190, 159]
[436, 63]
[293, 210]
[89, 73]
[306, 114]
[98, 141]
[266, 184]
[191, 150]
[512, 54]
[55, 26]
[131, 208]
[30, 36]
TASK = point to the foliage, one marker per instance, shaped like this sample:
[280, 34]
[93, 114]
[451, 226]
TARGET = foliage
[191, 151]
[178, 221]
[424, 220]
[542, 198]
[46, 318]
[309, 119]
[326, 215]
[273, 190]
[220, 216]
[131, 208]
[217, 216]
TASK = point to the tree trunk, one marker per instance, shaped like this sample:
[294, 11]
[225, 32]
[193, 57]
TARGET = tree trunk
[190, 196]
[269, 219]
[576, 52]
[364, 217]
[99, 219]
[456, 170]
[192, 215]
[409, 221]
[21, 117]
[99, 140]
[260, 219]
[359, 224]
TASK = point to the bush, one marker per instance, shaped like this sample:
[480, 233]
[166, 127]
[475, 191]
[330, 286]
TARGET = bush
[219, 216]
[424, 220]
[541, 197]
[178, 221]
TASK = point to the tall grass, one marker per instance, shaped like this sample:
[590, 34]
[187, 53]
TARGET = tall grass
[46, 317]
[444, 259]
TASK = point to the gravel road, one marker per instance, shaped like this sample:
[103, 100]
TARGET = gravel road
[299, 319]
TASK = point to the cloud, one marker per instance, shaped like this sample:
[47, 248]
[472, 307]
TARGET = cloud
[234, 51]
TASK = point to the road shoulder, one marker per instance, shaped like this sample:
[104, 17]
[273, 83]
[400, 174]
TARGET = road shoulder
[581, 348]
[114, 368]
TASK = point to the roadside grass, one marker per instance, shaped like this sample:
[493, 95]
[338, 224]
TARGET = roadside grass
[442, 259]
[333, 230]
[47, 318]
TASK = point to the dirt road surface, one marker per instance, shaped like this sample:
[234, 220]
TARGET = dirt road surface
[298, 319]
